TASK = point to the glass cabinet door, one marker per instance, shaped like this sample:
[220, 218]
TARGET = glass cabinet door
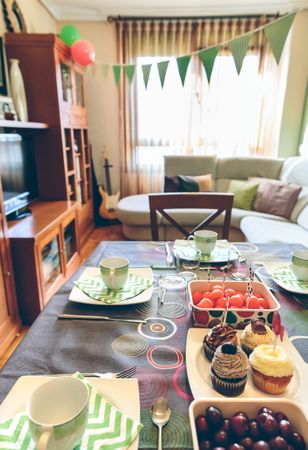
[67, 86]
[51, 263]
[70, 245]
[79, 89]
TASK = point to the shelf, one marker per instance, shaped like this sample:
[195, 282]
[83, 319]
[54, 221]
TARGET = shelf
[25, 125]
[70, 173]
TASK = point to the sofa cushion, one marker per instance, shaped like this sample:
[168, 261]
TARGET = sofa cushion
[172, 184]
[244, 167]
[302, 219]
[244, 193]
[265, 231]
[135, 210]
[188, 183]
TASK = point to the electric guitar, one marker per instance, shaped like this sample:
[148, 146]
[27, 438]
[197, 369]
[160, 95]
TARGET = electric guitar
[108, 208]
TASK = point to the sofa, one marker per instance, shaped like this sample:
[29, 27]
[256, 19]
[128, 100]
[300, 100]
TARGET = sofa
[246, 225]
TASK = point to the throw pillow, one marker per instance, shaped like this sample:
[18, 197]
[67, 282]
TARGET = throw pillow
[188, 183]
[244, 193]
[277, 198]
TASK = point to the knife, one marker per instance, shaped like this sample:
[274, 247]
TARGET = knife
[84, 317]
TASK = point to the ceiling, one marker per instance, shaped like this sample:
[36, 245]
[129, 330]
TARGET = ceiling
[98, 10]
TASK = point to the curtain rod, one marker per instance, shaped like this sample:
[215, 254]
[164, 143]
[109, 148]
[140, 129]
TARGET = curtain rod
[154, 18]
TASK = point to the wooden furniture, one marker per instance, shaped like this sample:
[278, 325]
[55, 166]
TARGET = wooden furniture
[9, 318]
[55, 94]
[45, 253]
[217, 202]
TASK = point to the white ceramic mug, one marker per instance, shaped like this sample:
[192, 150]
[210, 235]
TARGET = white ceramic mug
[205, 240]
[58, 413]
[300, 264]
[114, 272]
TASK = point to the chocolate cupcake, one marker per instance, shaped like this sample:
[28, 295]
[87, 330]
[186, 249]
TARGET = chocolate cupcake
[256, 333]
[217, 336]
[229, 370]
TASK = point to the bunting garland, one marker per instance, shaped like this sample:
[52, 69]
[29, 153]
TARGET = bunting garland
[276, 33]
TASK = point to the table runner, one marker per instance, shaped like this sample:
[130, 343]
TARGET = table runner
[157, 347]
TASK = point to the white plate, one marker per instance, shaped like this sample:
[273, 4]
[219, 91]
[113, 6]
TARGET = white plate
[122, 393]
[78, 296]
[198, 371]
[218, 255]
[285, 278]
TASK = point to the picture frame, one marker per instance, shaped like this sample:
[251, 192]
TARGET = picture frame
[3, 72]
[7, 108]
[13, 17]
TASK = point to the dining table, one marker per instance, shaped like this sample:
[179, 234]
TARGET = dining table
[156, 347]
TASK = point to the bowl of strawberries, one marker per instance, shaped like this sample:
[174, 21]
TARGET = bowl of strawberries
[211, 300]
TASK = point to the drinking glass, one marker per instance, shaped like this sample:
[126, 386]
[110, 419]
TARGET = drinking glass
[172, 289]
[239, 267]
[188, 259]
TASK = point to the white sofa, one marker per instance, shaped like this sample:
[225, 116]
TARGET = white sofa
[245, 225]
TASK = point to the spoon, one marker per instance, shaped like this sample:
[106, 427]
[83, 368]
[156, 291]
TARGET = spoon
[160, 413]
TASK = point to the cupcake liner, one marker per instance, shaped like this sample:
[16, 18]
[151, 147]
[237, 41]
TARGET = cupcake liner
[270, 385]
[228, 387]
[209, 353]
[246, 349]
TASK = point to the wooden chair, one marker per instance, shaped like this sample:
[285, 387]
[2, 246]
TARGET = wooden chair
[219, 202]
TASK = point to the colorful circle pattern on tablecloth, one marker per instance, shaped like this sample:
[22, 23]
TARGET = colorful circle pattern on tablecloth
[130, 345]
[177, 432]
[157, 328]
[172, 309]
[166, 353]
[148, 308]
[178, 377]
[148, 392]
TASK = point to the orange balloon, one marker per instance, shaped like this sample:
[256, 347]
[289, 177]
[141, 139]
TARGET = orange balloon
[83, 52]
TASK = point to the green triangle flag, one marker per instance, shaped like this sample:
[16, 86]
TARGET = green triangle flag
[162, 70]
[146, 69]
[117, 73]
[208, 58]
[130, 71]
[239, 48]
[182, 63]
[277, 33]
[105, 70]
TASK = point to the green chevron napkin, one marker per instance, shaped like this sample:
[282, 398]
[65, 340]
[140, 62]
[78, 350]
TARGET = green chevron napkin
[107, 428]
[95, 288]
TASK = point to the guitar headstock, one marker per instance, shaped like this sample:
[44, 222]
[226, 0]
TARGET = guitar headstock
[105, 152]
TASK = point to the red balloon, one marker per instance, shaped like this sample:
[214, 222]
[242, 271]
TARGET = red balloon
[83, 52]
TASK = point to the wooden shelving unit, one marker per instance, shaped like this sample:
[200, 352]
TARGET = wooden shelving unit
[23, 125]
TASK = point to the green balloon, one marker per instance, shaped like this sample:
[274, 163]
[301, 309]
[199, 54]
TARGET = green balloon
[69, 34]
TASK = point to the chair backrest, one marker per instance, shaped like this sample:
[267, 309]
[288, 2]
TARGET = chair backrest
[219, 203]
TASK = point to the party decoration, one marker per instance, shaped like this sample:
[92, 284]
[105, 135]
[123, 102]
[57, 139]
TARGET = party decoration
[278, 328]
[130, 71]
[146, 70]
[239, 47]
[117, 73]
[83, 52]
[277, 32]
[69, 34]
[208, 58]
[162, 70]
[182, 63]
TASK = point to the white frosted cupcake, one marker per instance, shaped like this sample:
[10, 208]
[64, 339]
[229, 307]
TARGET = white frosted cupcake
[272, 370]
[256, 333]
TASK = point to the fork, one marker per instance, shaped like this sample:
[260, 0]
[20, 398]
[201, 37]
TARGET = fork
[126, 373]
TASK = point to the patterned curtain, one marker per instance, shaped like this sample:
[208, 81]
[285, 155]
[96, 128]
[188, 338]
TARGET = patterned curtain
[172, 38]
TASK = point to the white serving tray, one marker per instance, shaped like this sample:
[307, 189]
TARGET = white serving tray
[198, 371]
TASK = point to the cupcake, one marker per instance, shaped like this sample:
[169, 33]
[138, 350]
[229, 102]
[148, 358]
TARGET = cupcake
[229, 369]
[217, 336]
[256, 333]
[272, 369]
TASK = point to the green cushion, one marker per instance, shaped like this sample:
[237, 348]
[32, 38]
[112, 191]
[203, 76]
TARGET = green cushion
[244, 193]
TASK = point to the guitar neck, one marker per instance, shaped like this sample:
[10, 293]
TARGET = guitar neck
[107, 176]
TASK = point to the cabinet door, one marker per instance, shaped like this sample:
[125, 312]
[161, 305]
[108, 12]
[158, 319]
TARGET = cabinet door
[70, 242]
[52, 268]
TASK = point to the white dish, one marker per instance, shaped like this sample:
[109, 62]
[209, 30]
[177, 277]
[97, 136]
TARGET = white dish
[250, 406]
[198, 371]
[218, 255]
[285, 278]
[122, 393]
[78, 296]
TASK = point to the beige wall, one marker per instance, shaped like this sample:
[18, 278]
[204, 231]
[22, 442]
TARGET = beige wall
[295, 87]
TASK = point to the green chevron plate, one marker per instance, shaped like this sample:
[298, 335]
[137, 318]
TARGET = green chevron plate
[121, 421]
[286, 279]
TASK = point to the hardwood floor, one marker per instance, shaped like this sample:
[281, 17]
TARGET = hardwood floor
[108, 233]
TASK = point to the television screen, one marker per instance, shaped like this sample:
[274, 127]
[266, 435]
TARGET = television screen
[18, 171]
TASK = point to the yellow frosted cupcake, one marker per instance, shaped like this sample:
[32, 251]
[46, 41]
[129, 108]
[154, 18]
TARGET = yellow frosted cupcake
[272, 369]
[256, 333]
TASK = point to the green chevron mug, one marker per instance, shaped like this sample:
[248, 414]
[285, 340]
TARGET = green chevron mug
[58, 413]
[114, 272]
[300, 264]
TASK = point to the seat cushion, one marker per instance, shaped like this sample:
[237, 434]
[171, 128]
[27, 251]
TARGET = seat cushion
[135, 210]
[265, 231]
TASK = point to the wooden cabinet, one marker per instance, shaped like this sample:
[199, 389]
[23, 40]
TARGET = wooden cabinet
[55, 95]
[9, 319]
[45, 252]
